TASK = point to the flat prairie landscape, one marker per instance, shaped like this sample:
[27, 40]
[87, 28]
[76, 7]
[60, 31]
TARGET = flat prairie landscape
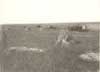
[53, 57]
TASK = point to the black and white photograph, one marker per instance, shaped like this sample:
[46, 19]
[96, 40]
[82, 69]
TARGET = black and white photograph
[49, 35]
[62, 47]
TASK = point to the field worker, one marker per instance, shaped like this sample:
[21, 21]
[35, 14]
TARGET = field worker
[64, 38]
[60, 36]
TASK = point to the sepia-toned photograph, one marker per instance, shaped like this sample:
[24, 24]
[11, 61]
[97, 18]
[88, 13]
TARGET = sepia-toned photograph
[51, 47]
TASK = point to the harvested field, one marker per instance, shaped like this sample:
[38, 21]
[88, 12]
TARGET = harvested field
[53, 58]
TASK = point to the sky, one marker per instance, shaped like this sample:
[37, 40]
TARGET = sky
[49, 11]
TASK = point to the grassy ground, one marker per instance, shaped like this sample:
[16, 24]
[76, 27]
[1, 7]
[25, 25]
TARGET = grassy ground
[55, 59]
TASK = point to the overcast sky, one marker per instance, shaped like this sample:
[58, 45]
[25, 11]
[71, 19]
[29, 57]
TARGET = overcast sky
[49, 11]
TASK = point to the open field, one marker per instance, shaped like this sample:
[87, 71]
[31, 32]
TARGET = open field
[55, 58]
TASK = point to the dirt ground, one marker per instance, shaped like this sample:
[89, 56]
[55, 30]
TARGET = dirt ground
[56, 58]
